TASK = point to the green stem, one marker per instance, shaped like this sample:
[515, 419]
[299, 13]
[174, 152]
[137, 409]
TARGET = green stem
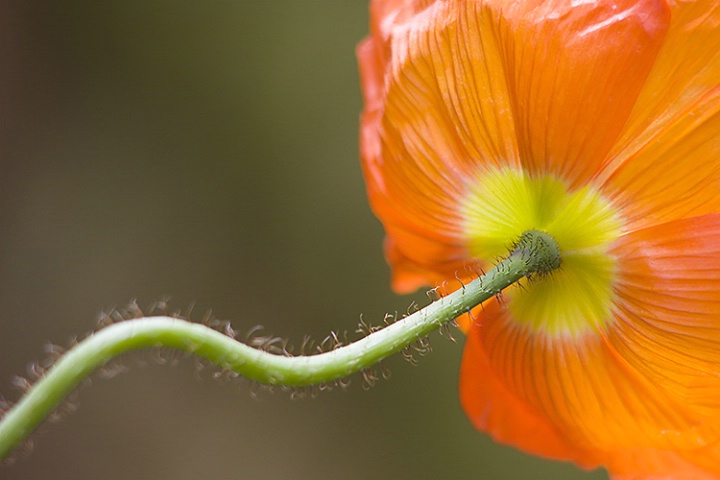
[536, 252]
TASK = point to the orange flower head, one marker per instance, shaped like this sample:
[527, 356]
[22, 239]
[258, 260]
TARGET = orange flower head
[598, 122]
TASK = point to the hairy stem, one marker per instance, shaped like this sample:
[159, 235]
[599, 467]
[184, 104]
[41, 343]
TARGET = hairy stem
[535, 253]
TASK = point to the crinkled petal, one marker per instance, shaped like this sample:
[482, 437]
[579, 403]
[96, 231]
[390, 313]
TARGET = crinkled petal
[574, 70]
[492, 408]
[583, 387]
[495, 409]
[454, 88]
[668, 289]
[666, 165]
[641, 397]
[677, 175]
[583, 390]
[437, 113]
[668, 331]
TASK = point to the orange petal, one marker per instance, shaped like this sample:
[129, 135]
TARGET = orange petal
[574, 70]
[450, 87]
[642, 398]
[669, 304]
[665, 165]
[437, 113]
[492, 408]
[409, 275]
[677, 175]
[668, 289]
[586, 399]
[491, 401]
[654, 464]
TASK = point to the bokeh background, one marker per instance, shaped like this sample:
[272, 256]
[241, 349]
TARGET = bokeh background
[208, 151]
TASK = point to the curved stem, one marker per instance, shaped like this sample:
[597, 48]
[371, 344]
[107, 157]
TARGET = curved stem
[536, 252]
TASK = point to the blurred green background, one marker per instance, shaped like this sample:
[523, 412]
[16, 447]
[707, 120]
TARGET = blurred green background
[208, 151]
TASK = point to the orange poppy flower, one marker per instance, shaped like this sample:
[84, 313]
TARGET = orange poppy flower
[598, 122]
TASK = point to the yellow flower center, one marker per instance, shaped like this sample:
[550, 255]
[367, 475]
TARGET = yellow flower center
[575, 299]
